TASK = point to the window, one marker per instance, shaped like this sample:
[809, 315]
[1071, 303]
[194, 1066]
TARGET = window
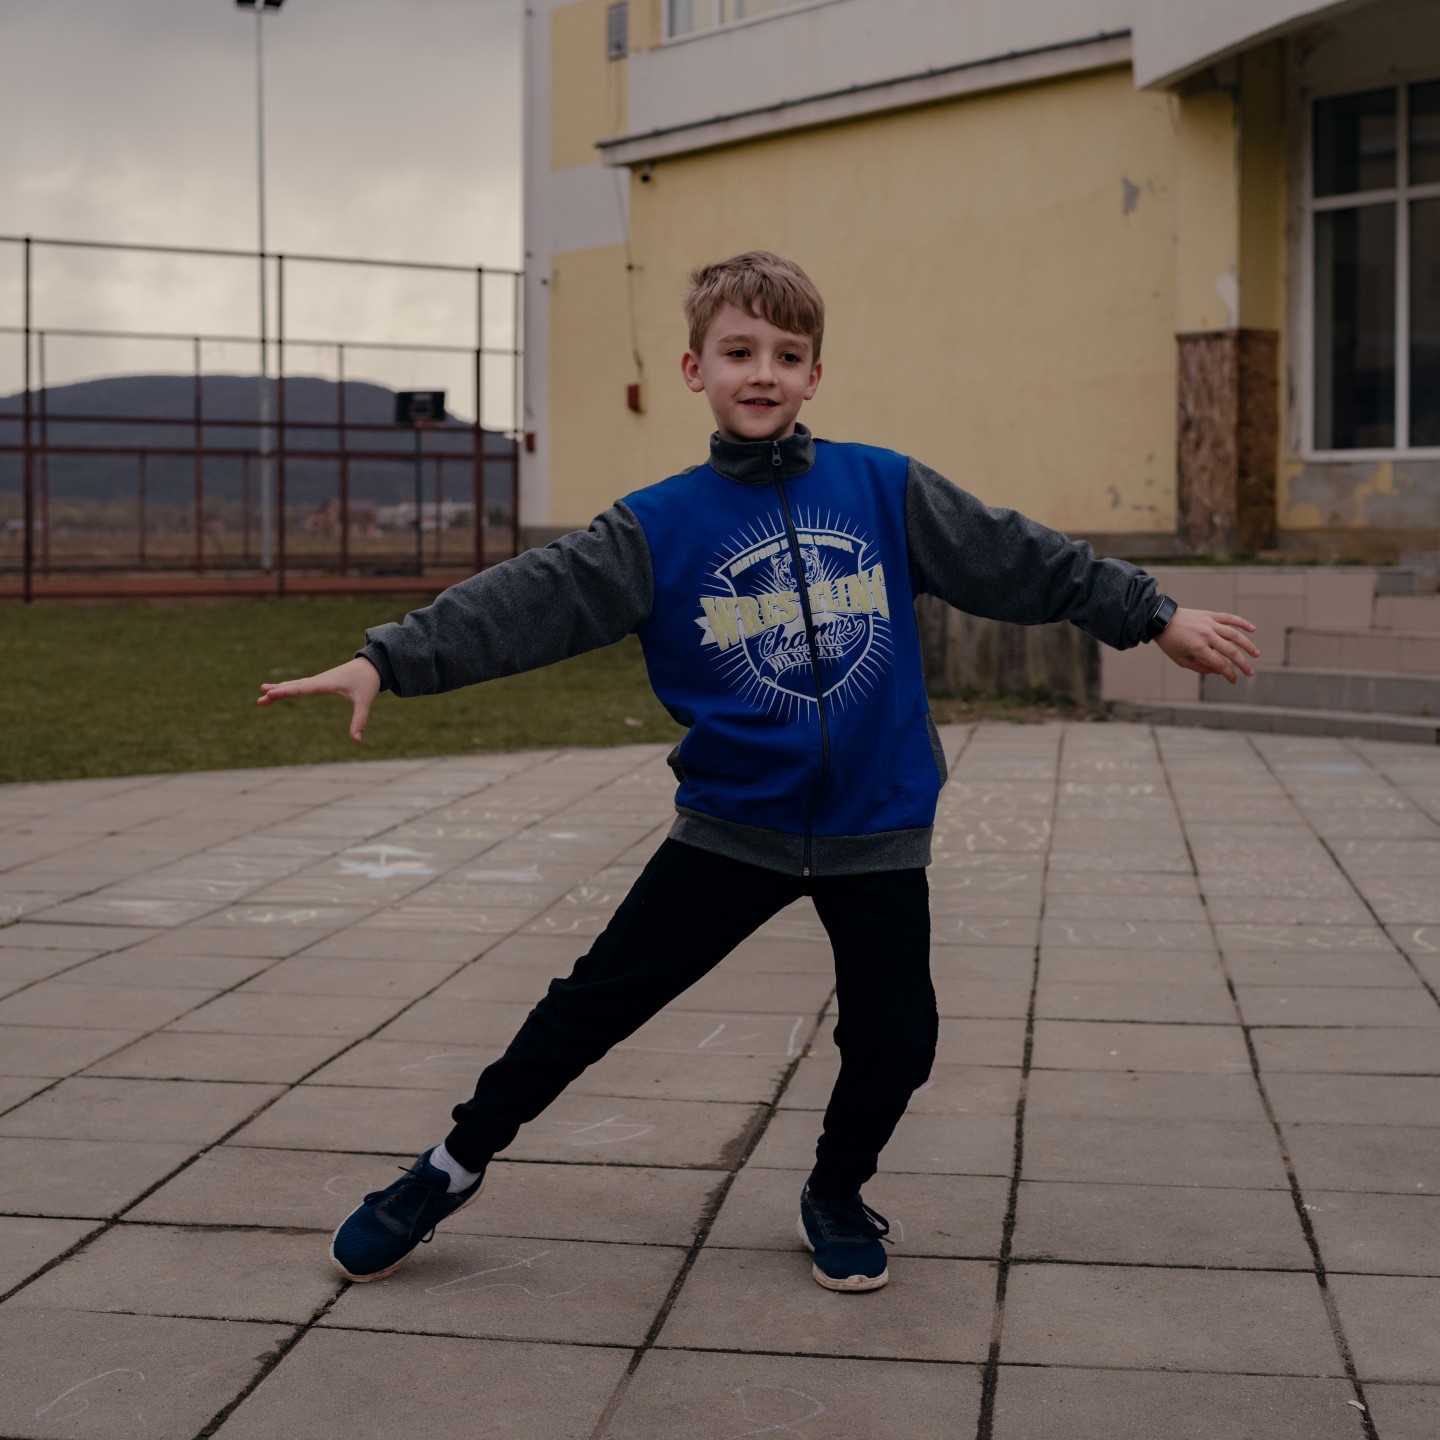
[684, 17]
[617, 32]
[1375, 245]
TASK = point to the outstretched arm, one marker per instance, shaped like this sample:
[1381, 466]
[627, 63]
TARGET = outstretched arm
[586, 589]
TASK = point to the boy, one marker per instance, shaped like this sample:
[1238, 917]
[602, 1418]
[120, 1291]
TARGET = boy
[772, 589]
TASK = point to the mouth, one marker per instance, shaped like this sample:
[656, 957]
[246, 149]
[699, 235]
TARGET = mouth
[760, 404]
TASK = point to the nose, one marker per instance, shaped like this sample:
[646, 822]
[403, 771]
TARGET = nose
[762, 372]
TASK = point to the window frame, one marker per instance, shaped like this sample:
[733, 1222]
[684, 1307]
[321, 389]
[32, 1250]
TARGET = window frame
[1399, 197]
[724, 27]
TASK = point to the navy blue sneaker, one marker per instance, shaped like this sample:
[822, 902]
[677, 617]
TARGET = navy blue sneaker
[376, 1238]
[844, 1236]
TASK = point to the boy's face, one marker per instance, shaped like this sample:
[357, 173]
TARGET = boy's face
[755, 375]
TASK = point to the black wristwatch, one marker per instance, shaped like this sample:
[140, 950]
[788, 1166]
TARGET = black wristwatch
[1160, 617]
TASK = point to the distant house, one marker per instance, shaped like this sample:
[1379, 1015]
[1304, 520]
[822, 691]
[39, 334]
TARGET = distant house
[1161, 272]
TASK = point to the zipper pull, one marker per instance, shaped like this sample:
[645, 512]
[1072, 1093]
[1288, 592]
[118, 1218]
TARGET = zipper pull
[775, 453]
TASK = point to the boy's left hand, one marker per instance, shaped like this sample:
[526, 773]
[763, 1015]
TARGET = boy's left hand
[1209, 642]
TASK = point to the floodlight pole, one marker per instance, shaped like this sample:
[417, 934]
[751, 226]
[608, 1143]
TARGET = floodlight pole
[267, 516]
[267, 464]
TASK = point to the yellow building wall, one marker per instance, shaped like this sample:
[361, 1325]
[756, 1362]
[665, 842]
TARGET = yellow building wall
[999, 273]
[587, 90]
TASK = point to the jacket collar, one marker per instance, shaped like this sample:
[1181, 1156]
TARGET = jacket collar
[752, 462]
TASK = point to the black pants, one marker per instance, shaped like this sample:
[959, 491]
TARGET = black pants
[687, 911]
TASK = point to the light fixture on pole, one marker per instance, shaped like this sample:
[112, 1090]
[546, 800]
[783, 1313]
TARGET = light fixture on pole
[267, 518]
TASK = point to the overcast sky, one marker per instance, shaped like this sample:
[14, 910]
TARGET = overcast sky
[393, 126]
[392, 132]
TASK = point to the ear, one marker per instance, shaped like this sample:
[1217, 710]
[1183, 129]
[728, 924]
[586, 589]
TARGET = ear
[690, 370]
[814, 384]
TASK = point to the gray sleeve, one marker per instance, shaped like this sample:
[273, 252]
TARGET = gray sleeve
[1001, 565]
[584, 590]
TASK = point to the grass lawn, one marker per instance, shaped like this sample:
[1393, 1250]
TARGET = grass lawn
[140, 689]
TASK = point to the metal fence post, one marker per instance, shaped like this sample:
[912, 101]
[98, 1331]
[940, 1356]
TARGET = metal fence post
[141, 517]
[518, 419]
[280, 426]
[28, 539]
[44, 457]
[478, 477]
[199, 472]
[344, 461]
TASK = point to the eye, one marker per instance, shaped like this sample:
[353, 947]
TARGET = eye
[791, 357]
[738, 354]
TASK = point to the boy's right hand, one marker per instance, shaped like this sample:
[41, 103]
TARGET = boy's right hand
[357, 680]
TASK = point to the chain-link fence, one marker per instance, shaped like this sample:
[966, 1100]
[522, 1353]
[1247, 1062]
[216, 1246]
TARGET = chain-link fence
[166, 411]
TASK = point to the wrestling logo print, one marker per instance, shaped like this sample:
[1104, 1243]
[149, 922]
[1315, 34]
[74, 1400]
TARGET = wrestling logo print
[753, 625]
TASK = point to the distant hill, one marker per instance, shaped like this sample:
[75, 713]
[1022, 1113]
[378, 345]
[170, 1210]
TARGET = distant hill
[229, 406]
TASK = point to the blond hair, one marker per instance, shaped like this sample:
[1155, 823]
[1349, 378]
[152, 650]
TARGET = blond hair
[761, 284]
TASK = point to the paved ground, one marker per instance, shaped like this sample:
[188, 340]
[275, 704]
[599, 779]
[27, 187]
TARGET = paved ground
[1175, 1177]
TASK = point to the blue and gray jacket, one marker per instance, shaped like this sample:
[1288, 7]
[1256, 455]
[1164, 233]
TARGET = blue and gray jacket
[773, 591]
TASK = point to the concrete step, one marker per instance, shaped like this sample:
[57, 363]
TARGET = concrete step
[1408, 612]
[1298, 687]
[1400, 652]
[1281, 720]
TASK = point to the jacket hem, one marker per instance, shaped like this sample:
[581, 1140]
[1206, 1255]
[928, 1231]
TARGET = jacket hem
[829, 854]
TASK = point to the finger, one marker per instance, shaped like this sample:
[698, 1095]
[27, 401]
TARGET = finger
[1236, 656]
[1219, 665]
[1239, 620]
[1240, 638]
[358, 716]
[306, 685]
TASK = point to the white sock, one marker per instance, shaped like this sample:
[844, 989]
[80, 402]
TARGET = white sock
[460, 1177]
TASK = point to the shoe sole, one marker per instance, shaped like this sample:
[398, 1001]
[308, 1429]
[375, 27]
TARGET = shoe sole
[381, 1274]
[851, 1283]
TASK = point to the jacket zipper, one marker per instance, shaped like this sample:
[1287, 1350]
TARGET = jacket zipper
[804, 589]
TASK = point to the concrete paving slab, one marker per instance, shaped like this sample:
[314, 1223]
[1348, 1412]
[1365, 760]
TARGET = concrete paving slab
[102, 1007]
[1309, 968]
[48, 935]
[1118, 1317]
[16, 1089]
[758, 1300]
[1405, 1412]
[935, 1215]
[1133, 1000]
[1131, 967]
[80, 1177]
[279, 1189]
[181, 1111]
[1390, 1323]
[381, 979]
[1377, 1234]
[110, 1376]
[1400, 1158]
[1143, 1095]
[265, 942]
[211, 1273]
[28, 1243]
[675, 1393]
[949, 1144]
[1355, 1099]
[950, 1090]
[237, 1014]
[1102, 1045]
[1371, 1051]
[969, 998]
[1066, 1404]
[211, 973]
[351, 1118]
[505, 1288]
[541, 1392]
[23, 966]
[435, 946]
[1119, 1224]
[1336, 1005]
[1178, 1152]
[255, 1059]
